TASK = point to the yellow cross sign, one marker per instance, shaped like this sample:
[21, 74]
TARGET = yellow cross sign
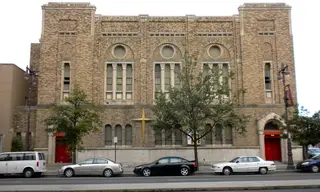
[143, 120]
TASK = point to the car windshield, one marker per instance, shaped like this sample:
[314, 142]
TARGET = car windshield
[234, 160]
[316, 157]
[315, 150]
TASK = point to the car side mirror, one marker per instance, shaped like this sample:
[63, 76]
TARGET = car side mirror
[157, 162]
[237, 161]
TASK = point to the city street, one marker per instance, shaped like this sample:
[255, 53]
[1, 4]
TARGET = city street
[276, 190]
[55, 180]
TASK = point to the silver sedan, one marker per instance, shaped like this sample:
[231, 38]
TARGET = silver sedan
[92, 166]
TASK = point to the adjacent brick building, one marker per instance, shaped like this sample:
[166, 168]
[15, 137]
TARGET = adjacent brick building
[13, 93]
[122, 61]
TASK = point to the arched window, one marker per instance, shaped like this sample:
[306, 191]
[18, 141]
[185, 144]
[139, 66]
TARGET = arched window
[158, 137]
[108, 135]
[218, 135]
[128, 135]
[228, 135]
[178, 136]
[168, 137]
[118, 134]
[209, 135]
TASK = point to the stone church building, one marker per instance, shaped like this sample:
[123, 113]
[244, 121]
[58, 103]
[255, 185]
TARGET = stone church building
[123, 61]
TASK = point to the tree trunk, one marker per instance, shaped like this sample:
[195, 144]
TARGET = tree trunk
[305, 152]
[195, 147]
[74, 154]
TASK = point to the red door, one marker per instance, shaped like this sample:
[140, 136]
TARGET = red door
[272, 148]
[62, 154]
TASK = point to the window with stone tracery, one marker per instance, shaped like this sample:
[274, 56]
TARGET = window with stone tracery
[166, 76]
[220, 70]
[118, 82]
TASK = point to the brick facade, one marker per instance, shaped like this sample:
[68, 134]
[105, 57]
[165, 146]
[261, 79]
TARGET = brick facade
[72, 32]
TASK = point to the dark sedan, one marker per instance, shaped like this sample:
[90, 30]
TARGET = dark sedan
[167, 166]
[312, 164]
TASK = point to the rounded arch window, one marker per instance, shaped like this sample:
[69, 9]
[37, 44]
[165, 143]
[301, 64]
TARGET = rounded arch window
[167, 51]
[214, 51]
[119, 51]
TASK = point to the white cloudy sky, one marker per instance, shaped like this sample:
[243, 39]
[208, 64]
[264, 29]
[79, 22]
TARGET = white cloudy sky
[20, 22]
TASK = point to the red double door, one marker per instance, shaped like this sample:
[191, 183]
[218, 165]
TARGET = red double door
[272, 148]
[62, 153]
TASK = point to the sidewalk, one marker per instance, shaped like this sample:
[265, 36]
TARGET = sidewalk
[183, 186]
[52, 170]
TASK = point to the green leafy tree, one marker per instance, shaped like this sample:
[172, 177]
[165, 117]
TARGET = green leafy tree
[16, 144]
[75, 118]
[304, 129]
[201, 99]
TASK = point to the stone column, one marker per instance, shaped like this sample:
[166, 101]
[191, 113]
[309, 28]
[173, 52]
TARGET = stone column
[114, 81]
[172, 74]
[51, 148]
[162, 65]
[124, 81]
[261, 144]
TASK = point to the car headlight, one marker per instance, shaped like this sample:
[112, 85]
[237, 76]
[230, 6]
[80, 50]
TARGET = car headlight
[305, 163]
[139, 167]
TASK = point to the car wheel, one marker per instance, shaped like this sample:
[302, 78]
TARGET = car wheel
[227, 171]
[69, 172]
[184, 171]
[315, 169]
[146, 172]
[107, 173]
[263, 170]
[28, 172]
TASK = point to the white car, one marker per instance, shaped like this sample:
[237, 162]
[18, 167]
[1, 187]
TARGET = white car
[244, 164]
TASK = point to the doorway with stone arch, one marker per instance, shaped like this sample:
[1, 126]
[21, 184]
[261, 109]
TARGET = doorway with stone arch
[272, 141]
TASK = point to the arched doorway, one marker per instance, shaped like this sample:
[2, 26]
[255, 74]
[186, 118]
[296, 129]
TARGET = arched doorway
[272, 141]
[62, 155]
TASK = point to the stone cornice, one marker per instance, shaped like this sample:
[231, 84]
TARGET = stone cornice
[146, 106]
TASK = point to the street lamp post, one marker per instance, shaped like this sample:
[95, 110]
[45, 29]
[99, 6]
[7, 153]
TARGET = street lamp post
[281, 76]
[32, 74]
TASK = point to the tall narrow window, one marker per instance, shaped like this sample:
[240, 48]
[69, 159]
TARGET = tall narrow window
[176, 76]
[225, 78]
[168, 137]
[129, 82]
[109, 81]
[228, 135]
[267, 77]
[206, 69]
[158, 137]
[108, 135]
[66, 80]
[119, 81]
[208, 137]
[118, 134]
[167, 77]
[157, 75]
[178, 137]
[218, 135]
[128, 135]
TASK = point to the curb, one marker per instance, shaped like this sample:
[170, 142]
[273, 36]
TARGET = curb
[129, 174]
[204, 189]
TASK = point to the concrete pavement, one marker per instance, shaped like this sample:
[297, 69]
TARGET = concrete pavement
[185, 186]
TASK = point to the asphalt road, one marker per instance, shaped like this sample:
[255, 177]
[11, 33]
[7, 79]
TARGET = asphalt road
[162, 179]
[276, 190]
